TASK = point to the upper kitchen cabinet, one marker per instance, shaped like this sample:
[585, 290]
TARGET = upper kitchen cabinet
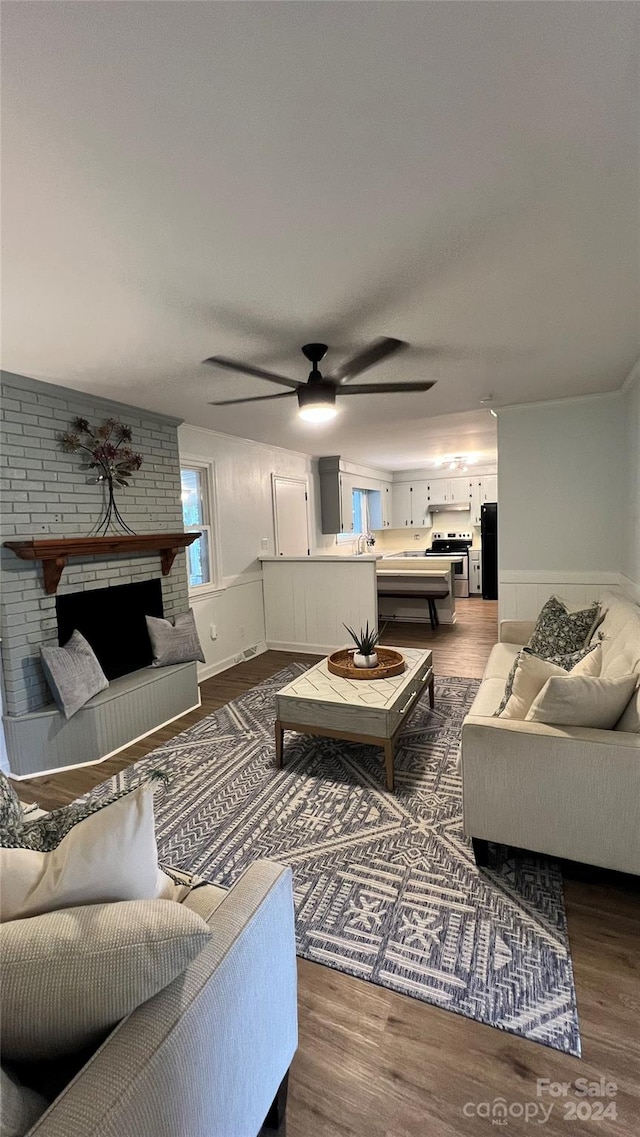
[380, 507]
[448, 491]
[482, 490]
[352, 500]
[409, 507]
[336, 497]
[401, 505]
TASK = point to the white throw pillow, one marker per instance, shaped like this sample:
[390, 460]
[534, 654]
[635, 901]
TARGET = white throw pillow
[529, 679]
[590, 665]
[582, 700]
[108, 856]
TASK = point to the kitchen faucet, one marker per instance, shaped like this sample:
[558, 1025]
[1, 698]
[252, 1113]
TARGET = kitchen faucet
[364, 540]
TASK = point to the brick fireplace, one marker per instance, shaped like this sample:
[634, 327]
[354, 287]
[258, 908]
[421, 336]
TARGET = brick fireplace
[46, 493]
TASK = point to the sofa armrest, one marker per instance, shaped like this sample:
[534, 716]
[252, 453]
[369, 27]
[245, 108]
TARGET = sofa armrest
[515, 631]
[568, 791]
[207, 1054]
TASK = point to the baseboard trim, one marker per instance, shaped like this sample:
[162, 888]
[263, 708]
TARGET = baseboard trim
[304, 649]
[208, 670]
[97, 761]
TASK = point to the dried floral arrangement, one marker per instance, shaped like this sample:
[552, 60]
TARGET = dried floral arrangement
[107, 450]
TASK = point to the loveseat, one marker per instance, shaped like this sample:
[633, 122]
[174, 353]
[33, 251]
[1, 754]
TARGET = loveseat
[208, 1055]
[570, 792]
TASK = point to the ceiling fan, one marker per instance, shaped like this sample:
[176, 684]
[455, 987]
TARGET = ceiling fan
[317, 397]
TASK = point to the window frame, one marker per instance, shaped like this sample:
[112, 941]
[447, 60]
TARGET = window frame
[211, 527]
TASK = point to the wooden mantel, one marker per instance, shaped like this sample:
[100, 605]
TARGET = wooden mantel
[55, 551]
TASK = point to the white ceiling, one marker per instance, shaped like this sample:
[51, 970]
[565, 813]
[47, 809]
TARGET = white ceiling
[187, 179]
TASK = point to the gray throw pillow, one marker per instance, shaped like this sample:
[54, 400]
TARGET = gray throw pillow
[73, 673]
[559, 631]
[72, 974]
[174, 642]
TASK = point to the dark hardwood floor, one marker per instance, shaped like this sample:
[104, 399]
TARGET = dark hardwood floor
[372, 1063]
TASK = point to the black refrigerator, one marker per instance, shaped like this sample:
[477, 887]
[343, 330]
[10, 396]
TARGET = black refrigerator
[489, 534]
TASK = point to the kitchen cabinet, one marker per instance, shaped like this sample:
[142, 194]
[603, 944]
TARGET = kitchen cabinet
[475, 573]
[482, 490]
[386, 500]
[421, 518]
[449, 491]
[336, 500]
[409, 505]
[401, 505]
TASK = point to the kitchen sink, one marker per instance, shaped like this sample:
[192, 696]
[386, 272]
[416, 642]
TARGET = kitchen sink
[405, 553]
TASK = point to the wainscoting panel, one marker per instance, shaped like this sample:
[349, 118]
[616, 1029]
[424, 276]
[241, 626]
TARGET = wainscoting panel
[308, 601]
[521, 595]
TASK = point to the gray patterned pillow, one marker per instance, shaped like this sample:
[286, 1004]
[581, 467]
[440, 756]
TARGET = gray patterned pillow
[508, 686]
[73, 673]
[11, 816]
[45, 833]
[569, 659]
[559, 631]
[175, 642]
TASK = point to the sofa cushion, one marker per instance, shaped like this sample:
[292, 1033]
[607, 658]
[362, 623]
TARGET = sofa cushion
[73, 673]
[204, 899]
[530, 676]
[619, 634]
[583, 700]
[559, 630]
[501, 660]
[69, 976]
[630, 718]
[488, 698]
[20, 1107]
[106, 856]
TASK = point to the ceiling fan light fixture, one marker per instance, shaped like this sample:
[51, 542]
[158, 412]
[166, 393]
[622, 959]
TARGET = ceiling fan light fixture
[317, 402]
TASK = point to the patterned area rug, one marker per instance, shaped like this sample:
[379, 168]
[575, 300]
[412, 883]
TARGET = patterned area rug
[386, 887]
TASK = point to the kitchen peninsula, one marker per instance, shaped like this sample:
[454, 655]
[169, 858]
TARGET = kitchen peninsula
[309, 599]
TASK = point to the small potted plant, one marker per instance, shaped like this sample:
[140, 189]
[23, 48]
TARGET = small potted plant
[366, 642]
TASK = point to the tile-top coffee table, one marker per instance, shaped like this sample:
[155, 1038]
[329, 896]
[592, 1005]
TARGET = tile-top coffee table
[356, 710]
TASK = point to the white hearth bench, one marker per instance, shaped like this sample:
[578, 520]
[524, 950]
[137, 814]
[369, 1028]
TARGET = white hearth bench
[130, 707]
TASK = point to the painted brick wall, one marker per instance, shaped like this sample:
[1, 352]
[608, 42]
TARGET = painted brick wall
[45, 492]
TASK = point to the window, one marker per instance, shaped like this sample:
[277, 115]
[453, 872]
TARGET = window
[196, 514]
[360, 511]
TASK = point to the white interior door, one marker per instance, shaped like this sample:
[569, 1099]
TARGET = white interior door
[290, 516]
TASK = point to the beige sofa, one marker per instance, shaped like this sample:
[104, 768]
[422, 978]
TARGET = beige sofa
[207, 1056]
[567, 791]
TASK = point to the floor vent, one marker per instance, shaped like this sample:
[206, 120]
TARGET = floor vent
[249, 652]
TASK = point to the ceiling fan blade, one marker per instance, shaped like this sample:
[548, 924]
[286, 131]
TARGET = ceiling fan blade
[251, 399]
[374, 353]
[382, 388]
[247, 369]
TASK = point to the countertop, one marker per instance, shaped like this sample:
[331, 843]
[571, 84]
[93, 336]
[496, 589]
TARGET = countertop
[367, 557]
[441, 574]
[451, 559]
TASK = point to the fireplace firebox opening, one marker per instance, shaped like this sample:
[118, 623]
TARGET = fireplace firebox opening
[113, 621]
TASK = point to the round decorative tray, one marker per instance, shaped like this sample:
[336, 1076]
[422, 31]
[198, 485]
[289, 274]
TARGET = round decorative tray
[390, 662]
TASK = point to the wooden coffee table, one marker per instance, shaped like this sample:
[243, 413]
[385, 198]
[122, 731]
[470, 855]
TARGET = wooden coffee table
[374, 711]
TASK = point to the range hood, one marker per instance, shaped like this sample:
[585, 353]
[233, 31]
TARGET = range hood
[444, 508]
